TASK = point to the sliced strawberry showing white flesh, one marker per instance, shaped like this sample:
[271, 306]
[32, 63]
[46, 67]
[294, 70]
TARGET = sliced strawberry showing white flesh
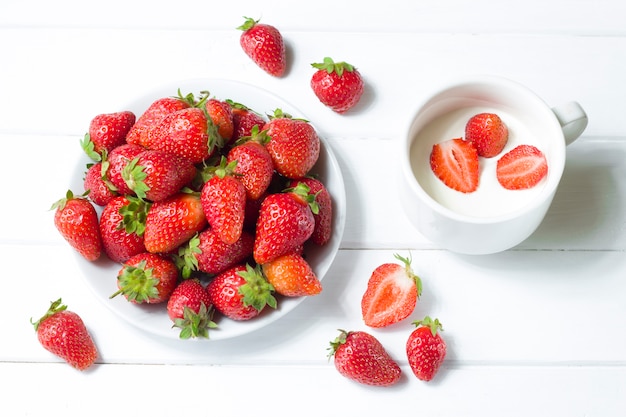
[521, 168]
[455, 162]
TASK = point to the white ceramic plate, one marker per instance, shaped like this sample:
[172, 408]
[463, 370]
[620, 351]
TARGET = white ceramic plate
[101, 276]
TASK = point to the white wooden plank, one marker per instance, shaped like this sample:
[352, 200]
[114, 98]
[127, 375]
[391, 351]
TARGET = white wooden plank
[123, 390]
[72, 91]
[451, 16]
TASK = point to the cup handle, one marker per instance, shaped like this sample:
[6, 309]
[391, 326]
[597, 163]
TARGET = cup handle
[573, 120]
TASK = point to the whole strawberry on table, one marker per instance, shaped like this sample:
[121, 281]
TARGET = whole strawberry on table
[190, 192]
[64, 333]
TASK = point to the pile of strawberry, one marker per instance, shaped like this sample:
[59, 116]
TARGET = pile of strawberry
[206, 205]
[456, 161]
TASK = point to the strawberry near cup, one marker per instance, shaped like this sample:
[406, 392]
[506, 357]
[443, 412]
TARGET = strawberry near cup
[495, 216]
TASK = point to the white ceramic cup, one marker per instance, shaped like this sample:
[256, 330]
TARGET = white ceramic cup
[491, 219]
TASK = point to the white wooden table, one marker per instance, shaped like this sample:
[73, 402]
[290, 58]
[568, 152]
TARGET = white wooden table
[537, 330]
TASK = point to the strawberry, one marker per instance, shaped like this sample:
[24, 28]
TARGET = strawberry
[425, 348]
[101, 190]
[285, 222]
[244, 120]
[221, 114]
[107, 132]
[184, 133]
[254, 167]
[138, 134]
[223, 199]
[147, 278]
[521, 168]
[292, 276]
[324, 217]
[488, 133]
[455, 163]
[208, 253]
[360, 357]
[337, 85]
[391, 295]
[63, 333]
[294, 145]
[157, 175]
[264, 45]
[117, 160]
[172, 222]
[77, 221]
[122, 224]
[189, 307]
[241, 292]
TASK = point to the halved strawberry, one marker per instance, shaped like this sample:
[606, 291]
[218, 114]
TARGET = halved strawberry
[391, 295]
[521, 168]
[455, 163]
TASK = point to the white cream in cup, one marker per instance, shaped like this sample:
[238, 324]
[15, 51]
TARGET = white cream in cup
[491, 219]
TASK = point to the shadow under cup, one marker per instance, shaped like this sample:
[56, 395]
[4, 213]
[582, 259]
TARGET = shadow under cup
[488, 220]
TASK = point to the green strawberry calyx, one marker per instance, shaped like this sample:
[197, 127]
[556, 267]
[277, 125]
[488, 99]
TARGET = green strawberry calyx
[248, 24]
[137, 283]
[186, 259]
[257, 291]
[69, 195]
[55, 307]
[331, 66]
[339, 340]
[303, 191]
[194, 325]
[134, 216]
[134, 176]
[433, 325]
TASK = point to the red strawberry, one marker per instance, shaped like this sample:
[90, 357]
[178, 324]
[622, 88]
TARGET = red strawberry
[361, 357]
[244, 120]
[241, 292]
[292, 276]
[118, 159]
[221, 114]
[488, 133]
[147, 278]
[172, 222]
[294, 145]
[223, 199]
[455, 162]
[208, 253]
[425, 348]
[285, 222]
[96, 181]
[264, 45]
[138, 134]
[189, 307]
[521, 168]
[77, 221]
[108, 131]
[157, 175]
[337, 85]
[254, 167]
[122, 224]
[391, 295]
[184, 133]
[64, 334]
[324, 217]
